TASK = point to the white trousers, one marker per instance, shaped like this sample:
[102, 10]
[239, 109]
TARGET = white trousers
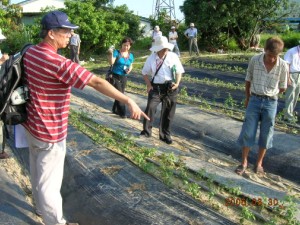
[46, 171]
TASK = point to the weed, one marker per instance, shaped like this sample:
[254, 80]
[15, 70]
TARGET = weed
[193, 189]
[246, 214]
[290, 210]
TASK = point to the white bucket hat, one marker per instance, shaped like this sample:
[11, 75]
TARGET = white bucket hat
[192, 24]
[160, 43]
[2, 37]
[172, 27]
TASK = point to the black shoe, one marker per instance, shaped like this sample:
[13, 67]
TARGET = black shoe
[167, 140]
[145, 134]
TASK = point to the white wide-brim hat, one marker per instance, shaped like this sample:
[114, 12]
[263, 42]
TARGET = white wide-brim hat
[160, 43]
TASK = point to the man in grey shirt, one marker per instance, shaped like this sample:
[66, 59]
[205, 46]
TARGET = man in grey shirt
[191, 35]
[75, 46]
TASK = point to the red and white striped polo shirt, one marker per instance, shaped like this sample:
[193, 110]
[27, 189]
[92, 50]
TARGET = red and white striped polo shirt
[50, 77]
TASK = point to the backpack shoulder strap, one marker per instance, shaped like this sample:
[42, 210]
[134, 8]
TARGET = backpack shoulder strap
[25, 48]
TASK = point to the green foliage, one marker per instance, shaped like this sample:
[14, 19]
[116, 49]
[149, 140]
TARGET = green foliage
[103, 26]
[232, 45]
[246, 214]
[12, 29]
[219, 20]
[97, 3]
[5, 2]
[290, 39]
[163, 21]
[16, 40]
[100, 26]
[143, 43]
[123, 14]
[182, 41]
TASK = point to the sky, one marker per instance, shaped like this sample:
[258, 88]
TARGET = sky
[143, 8]
[146, 8]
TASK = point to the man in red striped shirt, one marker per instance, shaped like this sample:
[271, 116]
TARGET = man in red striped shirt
[50, 77]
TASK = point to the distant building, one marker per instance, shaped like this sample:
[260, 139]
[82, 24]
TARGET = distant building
[32, 8]
[146, 26]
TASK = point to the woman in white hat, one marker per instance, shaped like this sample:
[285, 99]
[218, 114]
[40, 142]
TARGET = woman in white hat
[173, 40]
[162, 73]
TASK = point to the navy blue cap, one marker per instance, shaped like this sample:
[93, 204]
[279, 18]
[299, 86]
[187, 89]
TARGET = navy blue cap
[56, 19]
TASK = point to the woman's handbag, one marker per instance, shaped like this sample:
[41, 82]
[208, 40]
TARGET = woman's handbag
[109, 75]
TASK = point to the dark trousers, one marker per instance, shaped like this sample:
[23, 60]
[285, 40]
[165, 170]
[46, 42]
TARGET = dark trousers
[119, 82]
[74, 53]
[160, 94]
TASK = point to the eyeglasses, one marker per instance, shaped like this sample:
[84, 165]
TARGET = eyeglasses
[62, 30]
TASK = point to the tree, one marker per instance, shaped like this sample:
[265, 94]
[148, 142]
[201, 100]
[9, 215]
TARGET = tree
[97, 3]
[100, 25]
[123, 14]
[163, 21]
[219, 20]
[103, 26]
[10, 23]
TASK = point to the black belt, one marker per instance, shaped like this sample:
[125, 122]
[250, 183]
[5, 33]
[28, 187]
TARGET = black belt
[164, 87]
[264, 96]
[159, 85]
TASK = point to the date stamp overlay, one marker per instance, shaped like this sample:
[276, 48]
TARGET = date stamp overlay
[241, 201]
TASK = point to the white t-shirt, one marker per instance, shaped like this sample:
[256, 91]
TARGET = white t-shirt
[156, 34]
[173, 35]
[292, 57]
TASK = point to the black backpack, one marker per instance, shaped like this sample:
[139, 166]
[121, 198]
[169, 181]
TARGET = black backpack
[13, 92]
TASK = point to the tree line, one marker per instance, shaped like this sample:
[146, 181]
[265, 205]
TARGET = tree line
[219, 22]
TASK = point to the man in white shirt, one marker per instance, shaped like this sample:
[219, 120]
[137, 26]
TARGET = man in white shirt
[292, 57]
[173, 36]
[162, 73]
[191, 34]
[156, 33]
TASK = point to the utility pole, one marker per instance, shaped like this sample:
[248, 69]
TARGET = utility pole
[165, 5]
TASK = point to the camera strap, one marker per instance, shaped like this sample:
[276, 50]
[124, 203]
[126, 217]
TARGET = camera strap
[158, 68]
